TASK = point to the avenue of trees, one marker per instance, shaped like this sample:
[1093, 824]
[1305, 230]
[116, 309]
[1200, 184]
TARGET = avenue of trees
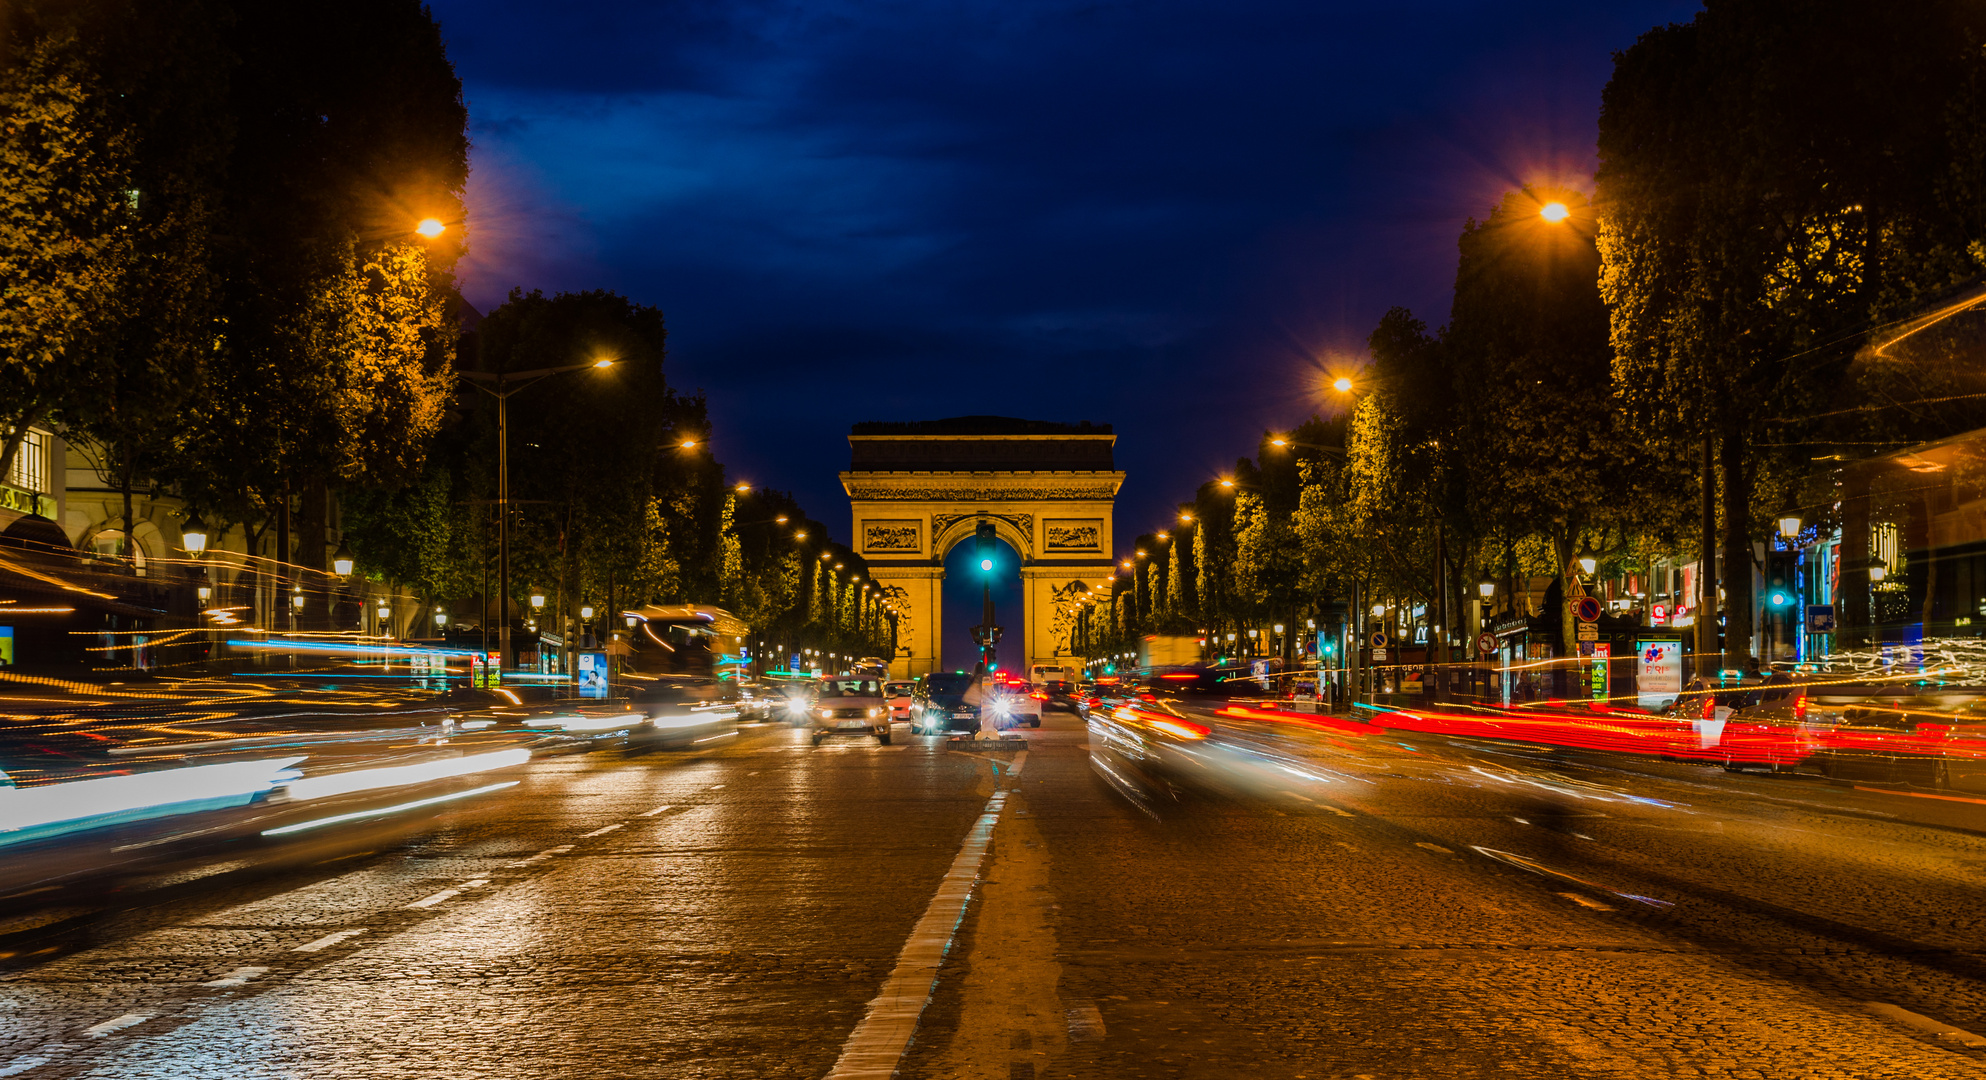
[1681, 360]
[210, 277]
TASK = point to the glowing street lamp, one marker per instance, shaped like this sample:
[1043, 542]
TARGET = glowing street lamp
[1554, 212]
[1487, 588]
[341, 560]
[1588, 565]
[430, 228]
[537, 600]
[194, 535]
[1789, 527]
[1342, 385]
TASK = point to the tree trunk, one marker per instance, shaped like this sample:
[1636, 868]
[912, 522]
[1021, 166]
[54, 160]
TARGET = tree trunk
[1737, 553]
[1706, 567]
[130, 527]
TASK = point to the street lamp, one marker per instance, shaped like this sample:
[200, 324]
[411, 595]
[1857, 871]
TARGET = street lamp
[508, 383]
[1587, 565]
[1789, 527]
[341, 560]
[1342, 385]
[430, 227]
[1878, 570]
[586, 611]
[194, 534]
[537, 600]
[1554, 212]
[440, 618]
[1487, 589]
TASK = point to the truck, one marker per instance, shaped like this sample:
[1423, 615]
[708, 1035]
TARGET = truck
[1168, 651]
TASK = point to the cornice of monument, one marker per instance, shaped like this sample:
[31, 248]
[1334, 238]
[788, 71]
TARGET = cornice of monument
[1004, 486]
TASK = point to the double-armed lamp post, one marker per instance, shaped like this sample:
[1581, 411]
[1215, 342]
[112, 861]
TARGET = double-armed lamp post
[504, 384]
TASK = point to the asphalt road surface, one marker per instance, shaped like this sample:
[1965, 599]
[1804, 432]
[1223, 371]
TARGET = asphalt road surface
[1399, 908]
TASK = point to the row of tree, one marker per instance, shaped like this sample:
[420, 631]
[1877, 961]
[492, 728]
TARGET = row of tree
[214, 274]
[1658, 371]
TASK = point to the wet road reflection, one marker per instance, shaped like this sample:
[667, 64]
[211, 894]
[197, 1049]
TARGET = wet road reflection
[1159, 892]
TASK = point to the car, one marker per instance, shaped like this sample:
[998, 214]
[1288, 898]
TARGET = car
[851, 705]
[938, 704]
[1016, 703]
[899, 695]
[1062, 694]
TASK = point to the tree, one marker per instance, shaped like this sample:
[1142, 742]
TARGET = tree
[1776, 173]
[66, 212]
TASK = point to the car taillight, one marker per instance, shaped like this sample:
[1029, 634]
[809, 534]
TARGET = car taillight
[1800, 709]
[1039, 697]
[1182, 729]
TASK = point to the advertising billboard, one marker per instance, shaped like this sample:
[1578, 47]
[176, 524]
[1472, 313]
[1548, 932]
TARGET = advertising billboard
[1658, 672]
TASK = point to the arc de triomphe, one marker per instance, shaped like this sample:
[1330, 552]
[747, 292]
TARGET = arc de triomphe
[916, 490]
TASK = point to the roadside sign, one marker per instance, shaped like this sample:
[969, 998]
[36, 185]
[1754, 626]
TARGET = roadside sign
[1588, 632]
[1601, 655]
[1587, 608]
[1820, 618]
[1486, 643]
[1379, 639]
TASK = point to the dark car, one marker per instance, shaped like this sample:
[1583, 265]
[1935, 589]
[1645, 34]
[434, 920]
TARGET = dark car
[938, 704]
[1062, 694]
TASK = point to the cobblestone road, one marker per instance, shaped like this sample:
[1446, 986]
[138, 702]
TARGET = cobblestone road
[1398, 909]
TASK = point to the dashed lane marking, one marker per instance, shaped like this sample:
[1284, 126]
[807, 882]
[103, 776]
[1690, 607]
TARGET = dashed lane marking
[1924, 1023]
[1432, 847]
[328, 940]
[878, 1043]
[430, 901]
[474, 884]
[652, 813]
[540, 857]
[116, 1024]
[604, 831]
[238, 977]
[22, 1065]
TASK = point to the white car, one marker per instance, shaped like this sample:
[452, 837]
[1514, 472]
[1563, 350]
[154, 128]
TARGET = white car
[1015, 704]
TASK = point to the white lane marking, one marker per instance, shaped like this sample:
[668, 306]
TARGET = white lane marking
[430, 901]
[1432, 847]
[115, 1024]
[541, 856]
[22, 1065]
[652, 813]
[605, 831]
[877, 1045]
[238, 977]
[1086, 1023]
[1924, 1023]
[716, 787]
[328, 940]
[1340, 813]
[474, 884]
[1583, 902]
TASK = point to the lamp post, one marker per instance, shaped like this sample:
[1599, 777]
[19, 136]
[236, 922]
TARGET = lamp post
[506, 384]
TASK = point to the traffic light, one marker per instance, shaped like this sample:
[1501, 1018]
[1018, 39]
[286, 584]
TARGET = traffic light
[983, 537]
[1779, 598]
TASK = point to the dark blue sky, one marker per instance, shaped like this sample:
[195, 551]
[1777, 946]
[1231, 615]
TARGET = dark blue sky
[1159, 215]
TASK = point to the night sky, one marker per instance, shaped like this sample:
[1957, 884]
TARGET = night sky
[1164, 216]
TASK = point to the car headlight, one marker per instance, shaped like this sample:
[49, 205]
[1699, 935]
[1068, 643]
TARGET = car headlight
[827, 714]
[797, 706]
[875, 713]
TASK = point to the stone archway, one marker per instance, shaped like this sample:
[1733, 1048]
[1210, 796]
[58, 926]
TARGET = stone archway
[917, 490]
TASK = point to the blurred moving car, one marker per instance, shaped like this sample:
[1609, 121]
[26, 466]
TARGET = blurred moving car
[938, 704]
[851, 705]
[899, 694]
[1062, 694]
